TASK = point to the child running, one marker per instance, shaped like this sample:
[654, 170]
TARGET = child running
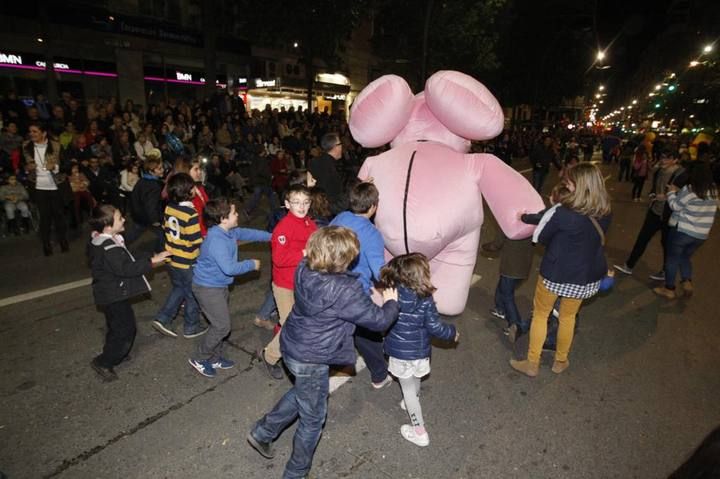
[288, 244]
[182, 240]
[329, 304]
[117, 277]
[408, 341]
[215, 270]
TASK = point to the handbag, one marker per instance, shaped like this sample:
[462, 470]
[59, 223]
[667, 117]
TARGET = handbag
[608, 280]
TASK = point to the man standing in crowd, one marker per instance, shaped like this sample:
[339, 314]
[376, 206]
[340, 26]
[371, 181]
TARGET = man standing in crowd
[540, 158]
[324, 171]
[658, 214]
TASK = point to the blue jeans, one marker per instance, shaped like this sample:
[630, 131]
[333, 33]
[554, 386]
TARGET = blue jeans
[257, 194]
[181, 280]
[370, 346]
[268, 309]
[679, 250]
[306, 399]
[505, 302]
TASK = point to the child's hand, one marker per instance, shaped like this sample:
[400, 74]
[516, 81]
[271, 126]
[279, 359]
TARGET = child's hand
[389, 294]
[257, 264]
[457, 336]
[160, 257]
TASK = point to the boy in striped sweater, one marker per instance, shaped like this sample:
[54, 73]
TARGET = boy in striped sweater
[182, 240]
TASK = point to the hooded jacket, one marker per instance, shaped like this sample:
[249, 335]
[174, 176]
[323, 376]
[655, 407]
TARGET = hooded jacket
[116, 274]
[417, 323]
[327, 309]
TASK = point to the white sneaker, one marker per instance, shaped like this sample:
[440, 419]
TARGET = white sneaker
[623, 268]
[382, 383]
[408, 432]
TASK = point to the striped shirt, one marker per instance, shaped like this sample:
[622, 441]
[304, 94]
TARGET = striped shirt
[692, 215]
[182, 234]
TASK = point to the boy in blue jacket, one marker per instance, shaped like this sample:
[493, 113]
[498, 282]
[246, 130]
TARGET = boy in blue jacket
[364, 199]
[329, 304]
[215, 270]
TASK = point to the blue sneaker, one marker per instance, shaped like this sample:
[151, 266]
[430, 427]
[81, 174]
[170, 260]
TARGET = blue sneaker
[203, 367]
[223, 363]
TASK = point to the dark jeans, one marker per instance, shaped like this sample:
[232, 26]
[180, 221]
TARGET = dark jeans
[268, 309]
[638, 184]
[52, 211]
[120, 320]
[538, 179]
[258, 191]
[652, 224]
[181, 280]
[135, 230]
[307, 399]
[505, 302]
[624, 174]
[679, 250]
[370, 346]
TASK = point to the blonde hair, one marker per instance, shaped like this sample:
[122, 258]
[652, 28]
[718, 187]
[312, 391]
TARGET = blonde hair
[331, 249]
[590, 196]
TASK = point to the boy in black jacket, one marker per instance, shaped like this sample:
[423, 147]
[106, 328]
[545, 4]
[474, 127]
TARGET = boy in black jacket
[117, 277]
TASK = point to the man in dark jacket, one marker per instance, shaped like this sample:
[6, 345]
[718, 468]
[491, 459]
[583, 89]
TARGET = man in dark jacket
[324, 171]
[146, 205]
[540, 159]
[329, 303]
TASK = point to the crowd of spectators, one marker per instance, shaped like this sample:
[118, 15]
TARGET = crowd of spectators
[104, 143]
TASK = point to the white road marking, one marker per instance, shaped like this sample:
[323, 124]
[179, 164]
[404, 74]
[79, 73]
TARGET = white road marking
[20, 298]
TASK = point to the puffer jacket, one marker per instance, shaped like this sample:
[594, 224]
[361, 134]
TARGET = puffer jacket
[418, 322]
[327, 308]
[116, 274]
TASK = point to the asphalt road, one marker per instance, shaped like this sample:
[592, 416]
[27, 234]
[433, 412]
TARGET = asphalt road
[639, 396]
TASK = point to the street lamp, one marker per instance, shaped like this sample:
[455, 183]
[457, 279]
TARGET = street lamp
[601, 55]
[601, 87]
[658, 86]
[694, 63]
[634, 102]
[708, 48]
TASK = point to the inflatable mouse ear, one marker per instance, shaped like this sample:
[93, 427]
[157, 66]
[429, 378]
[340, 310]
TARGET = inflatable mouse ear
[381, 111]
[464, 105]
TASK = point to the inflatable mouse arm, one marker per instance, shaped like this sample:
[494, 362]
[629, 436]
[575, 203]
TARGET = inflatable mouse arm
[508, 195]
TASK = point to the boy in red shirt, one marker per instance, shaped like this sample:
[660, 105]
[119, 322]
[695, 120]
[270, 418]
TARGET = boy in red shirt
[288, 245]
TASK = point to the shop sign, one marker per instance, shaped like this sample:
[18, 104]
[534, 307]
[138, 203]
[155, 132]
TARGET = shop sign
[341, 97]
[260, 83]
[9, 59]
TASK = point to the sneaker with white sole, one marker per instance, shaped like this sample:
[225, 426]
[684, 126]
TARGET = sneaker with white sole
[409, 433]
[659, 276]
[223, 363]
[196, 333]
[164, 328]
[402, 405]
[382, 383]
[203, 367]
[498, 314]
[623, 268]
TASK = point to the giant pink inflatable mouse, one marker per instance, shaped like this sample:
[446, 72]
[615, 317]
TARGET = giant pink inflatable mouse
[431, 189]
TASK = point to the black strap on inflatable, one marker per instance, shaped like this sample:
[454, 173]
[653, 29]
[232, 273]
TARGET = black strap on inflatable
[407, 188]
